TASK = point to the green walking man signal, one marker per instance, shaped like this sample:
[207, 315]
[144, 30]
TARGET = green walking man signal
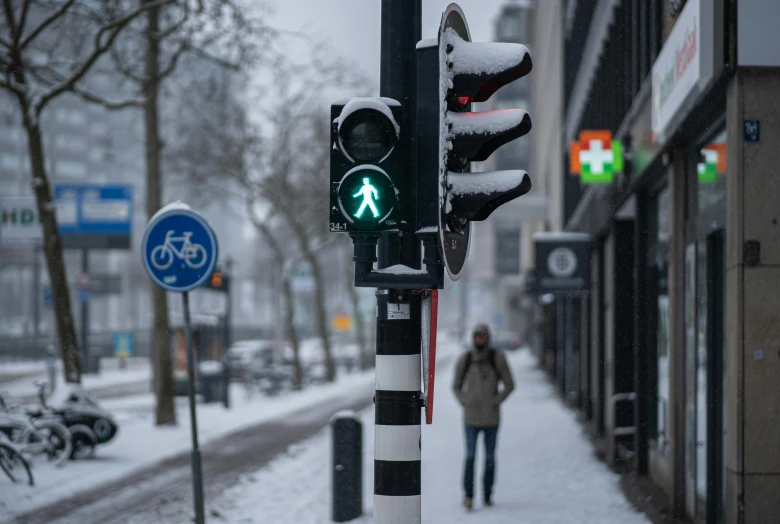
[367, 191]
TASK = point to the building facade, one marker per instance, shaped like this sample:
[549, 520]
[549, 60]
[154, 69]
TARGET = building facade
[495, 280]
[677, 340]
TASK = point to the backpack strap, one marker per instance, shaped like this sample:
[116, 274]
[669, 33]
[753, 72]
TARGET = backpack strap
[466, 366]
[491, 358]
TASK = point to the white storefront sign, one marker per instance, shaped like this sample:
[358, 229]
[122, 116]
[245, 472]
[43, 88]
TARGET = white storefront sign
[683, 68]
[19, 221]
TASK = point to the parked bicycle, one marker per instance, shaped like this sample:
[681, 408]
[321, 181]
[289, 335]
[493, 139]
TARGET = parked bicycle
[89, 423]
[35, 436]
[13, 463]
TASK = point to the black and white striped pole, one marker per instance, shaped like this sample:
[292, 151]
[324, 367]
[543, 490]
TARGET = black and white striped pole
[398, 409]
[397, 444]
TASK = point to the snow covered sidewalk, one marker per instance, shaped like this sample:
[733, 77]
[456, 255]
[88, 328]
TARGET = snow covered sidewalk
[546, 470]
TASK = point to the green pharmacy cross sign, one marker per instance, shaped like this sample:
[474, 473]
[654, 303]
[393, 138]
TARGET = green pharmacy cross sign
[366, 196]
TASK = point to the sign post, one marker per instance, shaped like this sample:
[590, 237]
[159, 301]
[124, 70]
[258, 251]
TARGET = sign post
[180, 251]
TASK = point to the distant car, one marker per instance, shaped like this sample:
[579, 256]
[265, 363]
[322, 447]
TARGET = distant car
[506, 340]
[344, 352]
[312, 358]
[259, 358]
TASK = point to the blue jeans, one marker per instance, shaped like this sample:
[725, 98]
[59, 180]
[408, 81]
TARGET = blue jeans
[490, 435]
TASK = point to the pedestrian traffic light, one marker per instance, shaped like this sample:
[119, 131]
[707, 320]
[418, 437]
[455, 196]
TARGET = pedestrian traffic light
[453, 73]
[366, 165]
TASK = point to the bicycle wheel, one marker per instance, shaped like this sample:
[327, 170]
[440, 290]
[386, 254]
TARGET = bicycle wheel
[84, 442]
[195, 255]
[55, 439]
[14, 465]
[162, 257]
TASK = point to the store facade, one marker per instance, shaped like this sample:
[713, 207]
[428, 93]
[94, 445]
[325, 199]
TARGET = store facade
[664, 335]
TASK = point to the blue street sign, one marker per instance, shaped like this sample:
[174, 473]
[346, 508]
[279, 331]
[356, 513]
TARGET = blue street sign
[179, 249]
[94, 215]
[83, 296]
[752, 130]
[124, 344]
[48, 298]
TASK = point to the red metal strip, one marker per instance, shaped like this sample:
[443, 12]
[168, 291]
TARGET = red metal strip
[432, 355]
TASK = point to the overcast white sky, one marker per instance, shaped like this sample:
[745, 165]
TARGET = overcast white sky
[352, 27]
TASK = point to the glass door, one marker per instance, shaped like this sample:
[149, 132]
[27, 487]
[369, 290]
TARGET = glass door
[702, 361]
[716, 474]
[691, 348]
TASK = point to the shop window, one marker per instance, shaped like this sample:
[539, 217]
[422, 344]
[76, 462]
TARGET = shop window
[658, 268]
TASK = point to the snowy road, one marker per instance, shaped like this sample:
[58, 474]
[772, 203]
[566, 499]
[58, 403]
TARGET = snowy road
[547, 473]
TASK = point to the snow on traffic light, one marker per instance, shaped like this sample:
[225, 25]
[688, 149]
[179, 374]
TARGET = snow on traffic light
[365, 166]
[452, 74]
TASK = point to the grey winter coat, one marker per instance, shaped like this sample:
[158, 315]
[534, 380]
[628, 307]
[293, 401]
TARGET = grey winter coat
[478, 390]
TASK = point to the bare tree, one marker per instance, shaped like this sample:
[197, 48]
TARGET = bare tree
[266, 229]
[290, 174]
[47, 48]
[279, 161]
[208, 33]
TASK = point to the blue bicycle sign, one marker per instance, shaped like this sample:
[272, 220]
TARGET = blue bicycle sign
[179, 249]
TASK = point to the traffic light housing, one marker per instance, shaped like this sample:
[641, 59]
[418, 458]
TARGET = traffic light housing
[218, 281]
[452, 73]
[366, 167]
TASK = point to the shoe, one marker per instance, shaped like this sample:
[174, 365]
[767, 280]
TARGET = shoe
[468, 502]
[488, 502]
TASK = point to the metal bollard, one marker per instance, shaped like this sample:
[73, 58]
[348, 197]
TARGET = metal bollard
[347, 463]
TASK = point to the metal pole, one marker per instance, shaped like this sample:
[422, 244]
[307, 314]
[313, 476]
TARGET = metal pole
[36, 285]
[85, 363]
[401, 30]
[397, 443]
[197, 472]
[397, 455]
[464, 305]
[560, 342]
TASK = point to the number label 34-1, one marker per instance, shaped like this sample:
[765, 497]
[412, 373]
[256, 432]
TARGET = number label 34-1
[338, 226]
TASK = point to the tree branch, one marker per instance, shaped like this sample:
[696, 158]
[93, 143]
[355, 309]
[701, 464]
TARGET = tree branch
[99, 47]
[126, 70]
[22, 21]
[200, 52]
[12, 88]
[174, 28]
[108, 104]
[9, 16]
[171, 67]
[46, 23]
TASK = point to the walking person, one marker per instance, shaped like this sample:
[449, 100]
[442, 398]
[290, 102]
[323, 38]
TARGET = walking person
[478, 374]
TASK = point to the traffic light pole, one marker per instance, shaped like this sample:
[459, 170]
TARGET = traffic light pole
[86, 364]
[398, 360]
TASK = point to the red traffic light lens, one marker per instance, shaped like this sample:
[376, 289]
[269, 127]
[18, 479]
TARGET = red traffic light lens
[464, 100]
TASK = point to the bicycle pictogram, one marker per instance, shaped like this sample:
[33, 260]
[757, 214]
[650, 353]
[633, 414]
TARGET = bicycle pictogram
[194, 255]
